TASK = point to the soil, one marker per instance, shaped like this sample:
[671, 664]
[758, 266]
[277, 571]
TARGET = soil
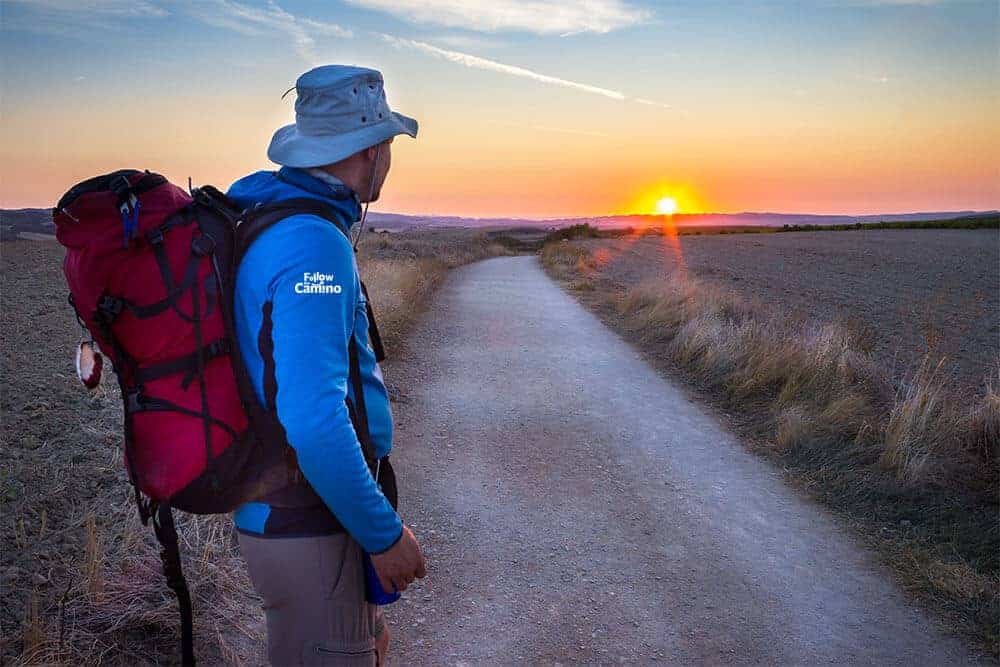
[576, 507]
[906, 292]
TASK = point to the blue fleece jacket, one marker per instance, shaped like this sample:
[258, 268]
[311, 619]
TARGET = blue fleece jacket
[300, 278]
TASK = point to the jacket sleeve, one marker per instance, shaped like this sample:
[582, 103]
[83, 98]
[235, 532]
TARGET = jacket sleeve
[313, 296]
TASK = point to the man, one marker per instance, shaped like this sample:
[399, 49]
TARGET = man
[298, 304]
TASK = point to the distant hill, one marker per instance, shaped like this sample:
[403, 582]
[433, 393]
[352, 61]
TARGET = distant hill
[394, 221]
[760, 219]
[39, 220]
[35, 220]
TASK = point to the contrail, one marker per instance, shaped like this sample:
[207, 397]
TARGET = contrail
[482, 63]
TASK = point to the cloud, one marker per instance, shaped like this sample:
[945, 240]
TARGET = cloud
[538, 16]
[476, 62]
[74, 19]
[653, 103]
[134, 8]
[254, 21]
[891, 3]
[467, 41]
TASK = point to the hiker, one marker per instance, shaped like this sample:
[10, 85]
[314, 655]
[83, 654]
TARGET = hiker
[302, 323]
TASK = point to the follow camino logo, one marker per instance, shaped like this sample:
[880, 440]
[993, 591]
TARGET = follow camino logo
[317, 283]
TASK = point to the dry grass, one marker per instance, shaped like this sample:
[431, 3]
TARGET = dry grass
[82, 581]
[913, 465]
[403, 270]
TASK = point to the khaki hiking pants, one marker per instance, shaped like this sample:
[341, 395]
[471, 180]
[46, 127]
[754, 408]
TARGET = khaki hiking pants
[313, 590]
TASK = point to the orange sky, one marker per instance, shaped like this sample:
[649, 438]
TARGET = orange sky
[852, 124]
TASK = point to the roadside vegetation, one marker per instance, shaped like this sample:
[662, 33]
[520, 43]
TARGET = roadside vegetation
[911, 464]
[969, 222]
[588, 231]
[82, 581]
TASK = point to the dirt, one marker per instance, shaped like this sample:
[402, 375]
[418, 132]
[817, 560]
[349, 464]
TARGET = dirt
[45, 414]
[906, 292]
[574, 506]
[100, 594]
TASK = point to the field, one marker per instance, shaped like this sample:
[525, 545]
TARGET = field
[864, 363]
[907, 292]
[81, 579]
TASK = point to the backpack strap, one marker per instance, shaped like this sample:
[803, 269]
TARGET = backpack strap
[261, 218]
[166, 535]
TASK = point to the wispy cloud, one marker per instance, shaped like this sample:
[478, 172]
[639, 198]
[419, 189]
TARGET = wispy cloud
[476, 62]
[74, 19]
[891, 3]
[538, 16]
[248, 20]
[96, 7]
[653, 103]
[467, 41]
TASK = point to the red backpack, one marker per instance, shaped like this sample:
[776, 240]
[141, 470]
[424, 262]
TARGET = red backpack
[151, 271]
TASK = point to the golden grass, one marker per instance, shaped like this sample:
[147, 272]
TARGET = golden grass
[82, 577]
[913, 464]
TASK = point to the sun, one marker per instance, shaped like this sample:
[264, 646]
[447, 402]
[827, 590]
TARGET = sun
[666, 206]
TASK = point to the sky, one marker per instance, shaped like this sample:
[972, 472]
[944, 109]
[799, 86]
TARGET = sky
[527, 108]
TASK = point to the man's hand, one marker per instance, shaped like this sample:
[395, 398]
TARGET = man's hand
[400, 565]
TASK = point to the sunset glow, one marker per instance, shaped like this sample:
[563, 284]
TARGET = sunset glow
[545, 110]
[666, 206]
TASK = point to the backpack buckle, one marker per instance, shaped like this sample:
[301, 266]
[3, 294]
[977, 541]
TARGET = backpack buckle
[121, 187]
[203, 245]
[134, 401]
[110, 307]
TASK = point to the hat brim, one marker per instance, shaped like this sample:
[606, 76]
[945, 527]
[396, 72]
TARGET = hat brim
[291, 148]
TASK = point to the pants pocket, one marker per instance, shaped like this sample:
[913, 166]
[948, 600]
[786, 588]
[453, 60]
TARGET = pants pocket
[326, 654]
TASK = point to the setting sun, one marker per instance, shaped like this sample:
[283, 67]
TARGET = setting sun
[666, 206]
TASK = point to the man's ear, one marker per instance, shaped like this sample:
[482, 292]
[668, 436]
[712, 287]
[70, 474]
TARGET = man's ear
[371, 152]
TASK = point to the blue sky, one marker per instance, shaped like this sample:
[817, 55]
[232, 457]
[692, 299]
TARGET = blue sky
[576, 108]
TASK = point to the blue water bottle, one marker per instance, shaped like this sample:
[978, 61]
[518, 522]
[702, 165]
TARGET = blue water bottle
[374, 592]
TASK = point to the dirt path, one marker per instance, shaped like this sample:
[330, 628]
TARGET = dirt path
[576, 507]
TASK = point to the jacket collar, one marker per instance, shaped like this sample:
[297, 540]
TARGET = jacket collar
[344, 199]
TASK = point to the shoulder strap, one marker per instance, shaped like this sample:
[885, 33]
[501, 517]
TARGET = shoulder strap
[258, 220]
[254, 223]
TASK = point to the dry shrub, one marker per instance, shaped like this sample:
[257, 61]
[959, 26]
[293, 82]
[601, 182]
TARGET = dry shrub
[564, 257]
[794, 429]
[403, 270]
[120, 610]
[983, 432]
[743, 348]
[398, 289]
[93, 558]
[815, 377]
[923, 429]
[34, 631]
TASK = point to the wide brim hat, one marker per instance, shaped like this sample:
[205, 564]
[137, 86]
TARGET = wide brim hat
[339, 110]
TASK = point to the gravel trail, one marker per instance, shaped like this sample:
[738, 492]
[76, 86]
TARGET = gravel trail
[574, 506]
